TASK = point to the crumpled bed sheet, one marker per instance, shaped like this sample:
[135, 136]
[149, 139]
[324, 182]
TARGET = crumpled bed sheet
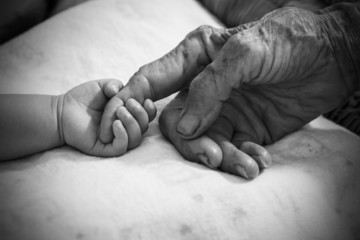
[311, 192]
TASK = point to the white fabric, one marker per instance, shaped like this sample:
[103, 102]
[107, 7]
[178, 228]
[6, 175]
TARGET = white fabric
[311, 192]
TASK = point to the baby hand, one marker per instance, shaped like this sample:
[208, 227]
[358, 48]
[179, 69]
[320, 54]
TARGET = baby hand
[81, 110]
[132, 111]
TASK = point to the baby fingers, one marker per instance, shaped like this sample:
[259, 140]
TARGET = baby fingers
[131, 125]
[106, 134]
[150, 109]
[139, 113]
[143, 114]
[117, 147]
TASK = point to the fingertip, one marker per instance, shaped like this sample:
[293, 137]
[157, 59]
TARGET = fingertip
[112, 87]
[108, 117]
[188, 125]
[197, 116]
[205, 150]
[237, 162]
[214, 155]
[252, 170]
[150, 109]
[258, 153]
[120, 142]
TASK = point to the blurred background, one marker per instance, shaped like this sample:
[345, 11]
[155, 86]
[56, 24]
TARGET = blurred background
[17, 16]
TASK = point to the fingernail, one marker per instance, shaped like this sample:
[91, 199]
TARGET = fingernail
[204, 159]
[264, 161]
[188, 125]
[241, 171]
[268, 159]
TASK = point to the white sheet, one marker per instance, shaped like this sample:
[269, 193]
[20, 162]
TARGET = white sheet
[311, 192]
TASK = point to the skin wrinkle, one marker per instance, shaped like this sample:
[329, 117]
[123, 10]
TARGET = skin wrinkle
[282, 104]
[266, 137]
[272, 63]
[346, 48]
[282, 69]
[275, 110]
[333, 23]
[230, 105]
[214, 77]
[226, 132]
[204, 36]
[250, 119]
[256, 116]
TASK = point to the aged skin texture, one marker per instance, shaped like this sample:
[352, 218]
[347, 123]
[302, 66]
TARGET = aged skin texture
[245, 87]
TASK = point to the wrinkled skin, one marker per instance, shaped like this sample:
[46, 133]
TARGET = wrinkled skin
[266, 81]
[243, 88]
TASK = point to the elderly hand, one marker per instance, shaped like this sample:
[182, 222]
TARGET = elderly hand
[244, 87]
[269, 79]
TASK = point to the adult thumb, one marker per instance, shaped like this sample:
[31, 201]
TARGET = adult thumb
[204, 102]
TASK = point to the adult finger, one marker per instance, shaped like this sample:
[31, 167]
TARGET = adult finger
[177, 68]
[234, 160]
[257, 152]
[201, 150]
[110, 87]
[170, 73]
[237, 63]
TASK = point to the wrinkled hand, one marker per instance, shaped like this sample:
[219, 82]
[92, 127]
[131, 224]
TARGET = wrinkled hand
[244, 87]
[82, 110]
[269, 79]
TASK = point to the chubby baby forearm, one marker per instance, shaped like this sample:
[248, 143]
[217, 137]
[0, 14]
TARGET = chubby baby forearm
[28, 124]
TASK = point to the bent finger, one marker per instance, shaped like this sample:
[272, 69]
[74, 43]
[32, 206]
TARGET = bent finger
[233, 66]
[109, 115]
[132, 127]
[234, 161]
[237, 162]
[176, 69]
[119, 144]
[201, 150]
[150, 109]
[139, 113]
[258, 153]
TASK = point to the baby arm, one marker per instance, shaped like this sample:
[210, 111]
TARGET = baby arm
[28, 124]
[34, 123]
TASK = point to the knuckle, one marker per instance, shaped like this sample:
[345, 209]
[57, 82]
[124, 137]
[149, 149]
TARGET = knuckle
[200, 32]
[204, 28]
